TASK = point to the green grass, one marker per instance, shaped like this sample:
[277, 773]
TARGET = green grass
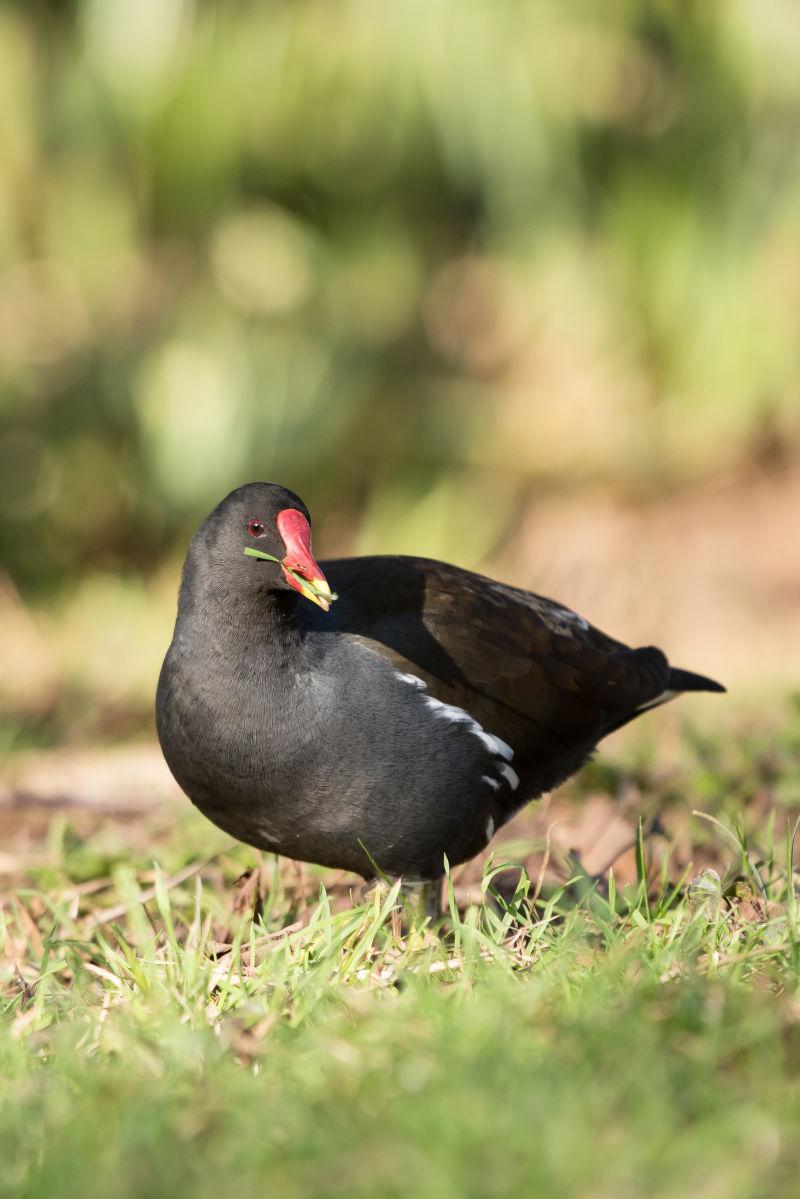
[567, 1038]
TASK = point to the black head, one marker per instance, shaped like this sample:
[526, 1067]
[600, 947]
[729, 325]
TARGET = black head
[267, 518]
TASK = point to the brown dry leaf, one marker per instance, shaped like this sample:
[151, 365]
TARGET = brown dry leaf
[749, 908]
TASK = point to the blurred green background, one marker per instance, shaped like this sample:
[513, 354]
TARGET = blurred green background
[517, 285]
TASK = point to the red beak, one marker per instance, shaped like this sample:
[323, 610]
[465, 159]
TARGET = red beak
[296, 533]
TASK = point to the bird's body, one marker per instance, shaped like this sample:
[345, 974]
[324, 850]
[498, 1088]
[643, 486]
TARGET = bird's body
[408, 722]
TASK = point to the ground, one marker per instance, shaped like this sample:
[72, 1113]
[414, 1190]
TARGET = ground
[182, 1015]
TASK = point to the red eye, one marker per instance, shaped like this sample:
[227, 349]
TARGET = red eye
[256, 528]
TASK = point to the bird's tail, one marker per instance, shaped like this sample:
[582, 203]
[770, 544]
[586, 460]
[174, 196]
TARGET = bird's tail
[678, 681]
[686, 680]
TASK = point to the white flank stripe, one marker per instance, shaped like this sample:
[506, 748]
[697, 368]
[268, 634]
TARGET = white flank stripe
[412, 679]
[496, 745]
[459, 716]
[493, 783]
[489, 829]
[510, 774]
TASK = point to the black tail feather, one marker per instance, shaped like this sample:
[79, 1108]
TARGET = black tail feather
[685, 680]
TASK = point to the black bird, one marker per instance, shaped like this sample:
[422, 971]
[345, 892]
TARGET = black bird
[407, 721]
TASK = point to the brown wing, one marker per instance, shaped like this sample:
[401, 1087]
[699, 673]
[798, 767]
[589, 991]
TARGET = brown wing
[528, 669]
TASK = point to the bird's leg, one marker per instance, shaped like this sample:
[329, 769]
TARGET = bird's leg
[598, 878]
[422, 900]
[418, 901]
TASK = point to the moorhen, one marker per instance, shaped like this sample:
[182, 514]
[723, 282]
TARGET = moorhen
[407, 721]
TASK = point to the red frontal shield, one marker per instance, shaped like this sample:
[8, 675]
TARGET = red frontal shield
[296, 534]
